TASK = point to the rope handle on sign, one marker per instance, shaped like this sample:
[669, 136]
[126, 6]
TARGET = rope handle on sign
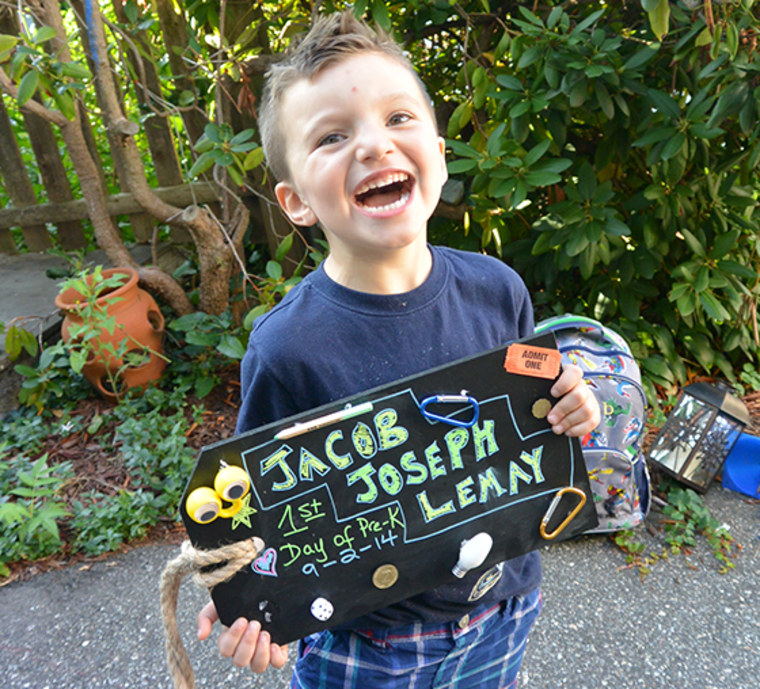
[231, 558]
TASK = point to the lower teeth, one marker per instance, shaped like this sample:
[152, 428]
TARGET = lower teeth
[390, 206]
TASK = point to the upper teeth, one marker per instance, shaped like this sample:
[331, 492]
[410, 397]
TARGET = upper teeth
[392, 178]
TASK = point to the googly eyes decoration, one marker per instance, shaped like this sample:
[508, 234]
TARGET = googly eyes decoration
[231, 485]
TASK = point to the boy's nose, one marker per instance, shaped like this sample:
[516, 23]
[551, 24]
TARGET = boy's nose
[373, 143]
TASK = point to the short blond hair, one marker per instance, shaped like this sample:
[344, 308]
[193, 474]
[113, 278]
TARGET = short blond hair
[330, 39]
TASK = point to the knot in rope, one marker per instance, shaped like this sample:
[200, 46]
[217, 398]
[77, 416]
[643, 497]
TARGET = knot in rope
[208, 568]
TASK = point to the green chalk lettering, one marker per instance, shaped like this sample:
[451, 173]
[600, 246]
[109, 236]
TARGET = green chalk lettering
[294, 552]
[465, 494]
[345, 538]
[310, 463]
[277, 459]
[434, 460]
[363, 440]
[287, 516]
[339, 461]
[388, 434]
[430, 513]
[393, 517]
[317, 548]
[390, 479]
[368, 526]
[488, 482]
[534, 460]
[516, 472]
[364, 473]
[416, 472]
[483, 437]
[456, 439]
[309, 511]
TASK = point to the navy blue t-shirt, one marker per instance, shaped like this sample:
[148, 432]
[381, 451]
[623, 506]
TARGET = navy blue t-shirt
[324, 342]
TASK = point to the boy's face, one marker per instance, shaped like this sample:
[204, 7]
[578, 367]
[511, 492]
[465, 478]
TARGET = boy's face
[365, 158]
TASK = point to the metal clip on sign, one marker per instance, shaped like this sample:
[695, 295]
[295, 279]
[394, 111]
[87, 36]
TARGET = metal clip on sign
[462, 398]
[553, 506]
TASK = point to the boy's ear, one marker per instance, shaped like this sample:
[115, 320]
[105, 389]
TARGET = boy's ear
[294, 206]
[442, 149]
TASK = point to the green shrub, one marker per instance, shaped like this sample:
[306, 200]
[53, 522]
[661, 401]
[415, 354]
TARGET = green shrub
[30, 508]
[103, 522]
[610, 154]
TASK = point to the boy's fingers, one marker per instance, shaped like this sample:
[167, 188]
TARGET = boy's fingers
[243, 642]
[573, 420]
[279, 656]
[570, 403]
[206, 619]
[570, 377]
[231, 638]
[576, 425]
[249, 644]
[262, 654]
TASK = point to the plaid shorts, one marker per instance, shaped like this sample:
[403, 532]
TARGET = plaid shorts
[483, 650]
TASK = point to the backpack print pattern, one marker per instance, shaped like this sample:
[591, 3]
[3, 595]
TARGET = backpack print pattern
[616, 466]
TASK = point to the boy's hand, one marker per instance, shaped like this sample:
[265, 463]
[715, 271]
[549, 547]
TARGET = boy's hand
[577, 412]
[244, 641]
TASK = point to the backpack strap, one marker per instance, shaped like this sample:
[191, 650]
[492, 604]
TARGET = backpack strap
[568, 321]
[572, 322]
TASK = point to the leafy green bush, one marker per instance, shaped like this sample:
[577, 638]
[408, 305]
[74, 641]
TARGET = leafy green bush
[153, 448]
[102, 522]
[684, 521]
[686, 516]
[145, 434]
[51, 379]
[30, 508]
[209, 343]
[610, 154]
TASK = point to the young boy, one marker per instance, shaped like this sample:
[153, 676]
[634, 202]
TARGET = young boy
[349, 131]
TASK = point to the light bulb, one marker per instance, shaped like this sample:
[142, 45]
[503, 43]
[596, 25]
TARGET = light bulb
[472, 553]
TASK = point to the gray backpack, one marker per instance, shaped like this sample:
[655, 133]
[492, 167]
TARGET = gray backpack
[616, 466]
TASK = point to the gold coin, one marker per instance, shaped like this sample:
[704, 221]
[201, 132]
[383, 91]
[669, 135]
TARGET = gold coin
[385, 576]
[541, 408]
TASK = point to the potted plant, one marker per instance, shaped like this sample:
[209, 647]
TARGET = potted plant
[113, 330]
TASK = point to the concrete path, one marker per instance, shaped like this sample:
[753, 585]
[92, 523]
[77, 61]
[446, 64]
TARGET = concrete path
[681, 628]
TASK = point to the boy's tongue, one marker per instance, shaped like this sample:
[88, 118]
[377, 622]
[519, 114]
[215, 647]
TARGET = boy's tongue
[381, 197]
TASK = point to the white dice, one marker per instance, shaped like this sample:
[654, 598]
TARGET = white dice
[322, 609]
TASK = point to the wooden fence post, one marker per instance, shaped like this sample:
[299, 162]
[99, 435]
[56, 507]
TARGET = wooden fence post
[17, 183]
[53, 173]
[173, 27]
[163, 150]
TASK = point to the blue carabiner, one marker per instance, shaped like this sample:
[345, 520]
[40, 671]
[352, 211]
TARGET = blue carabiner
[451, 399]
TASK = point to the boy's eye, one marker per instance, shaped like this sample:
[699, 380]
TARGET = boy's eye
[329, 139]
[399, 118]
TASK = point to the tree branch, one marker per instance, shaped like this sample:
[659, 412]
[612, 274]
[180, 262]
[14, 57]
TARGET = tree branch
[32, 106]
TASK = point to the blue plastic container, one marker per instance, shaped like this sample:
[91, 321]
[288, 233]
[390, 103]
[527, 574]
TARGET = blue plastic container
[741, 470]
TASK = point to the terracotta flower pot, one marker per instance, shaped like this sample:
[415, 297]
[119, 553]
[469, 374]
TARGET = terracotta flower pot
[139, 323]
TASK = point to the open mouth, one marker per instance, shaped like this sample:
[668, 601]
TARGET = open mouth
[384, 194]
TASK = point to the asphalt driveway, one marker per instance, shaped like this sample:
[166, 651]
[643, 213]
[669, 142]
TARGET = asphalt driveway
[684, 627]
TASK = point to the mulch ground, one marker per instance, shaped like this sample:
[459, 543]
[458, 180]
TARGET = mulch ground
[96, 470]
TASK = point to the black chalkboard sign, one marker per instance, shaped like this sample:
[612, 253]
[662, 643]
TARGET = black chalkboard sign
[370, 500]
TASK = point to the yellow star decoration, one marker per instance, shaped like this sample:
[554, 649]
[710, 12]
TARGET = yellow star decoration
[243, 515]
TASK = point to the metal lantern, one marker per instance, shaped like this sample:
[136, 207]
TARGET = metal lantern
[699, 434]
